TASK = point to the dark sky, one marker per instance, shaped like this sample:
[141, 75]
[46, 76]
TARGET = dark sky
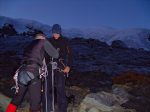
[81, 13]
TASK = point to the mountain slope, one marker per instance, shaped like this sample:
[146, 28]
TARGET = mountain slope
[20, 24]
[133, 38]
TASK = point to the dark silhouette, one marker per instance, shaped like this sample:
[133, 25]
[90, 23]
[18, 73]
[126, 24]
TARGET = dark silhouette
[149, 37]
[8, 30]
[31, 31]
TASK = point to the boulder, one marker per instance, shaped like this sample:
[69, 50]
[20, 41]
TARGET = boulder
[118, 44]
[4, 101]
[106, 101]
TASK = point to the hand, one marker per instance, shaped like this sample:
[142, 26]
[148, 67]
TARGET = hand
[67, 69]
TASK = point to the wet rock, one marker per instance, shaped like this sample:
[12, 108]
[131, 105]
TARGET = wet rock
[103, 102]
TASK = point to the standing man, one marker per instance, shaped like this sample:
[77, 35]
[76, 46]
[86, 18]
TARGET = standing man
[64, 63]
[28, 75]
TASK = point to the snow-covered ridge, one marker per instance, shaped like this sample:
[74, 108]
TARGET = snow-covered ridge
[20, 24]
[133, 37]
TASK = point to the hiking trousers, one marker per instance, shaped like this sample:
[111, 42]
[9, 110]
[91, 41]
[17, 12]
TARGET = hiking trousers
[34, 90]
[60, 96]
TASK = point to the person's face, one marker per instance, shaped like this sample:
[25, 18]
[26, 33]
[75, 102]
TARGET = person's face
[56, 36]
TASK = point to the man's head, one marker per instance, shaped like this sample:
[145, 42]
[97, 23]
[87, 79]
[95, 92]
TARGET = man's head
[40, 35]
[56, 31]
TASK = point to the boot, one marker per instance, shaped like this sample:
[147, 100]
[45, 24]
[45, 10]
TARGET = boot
[11, 108]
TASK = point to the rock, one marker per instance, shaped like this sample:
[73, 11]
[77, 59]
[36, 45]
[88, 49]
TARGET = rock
[91, 101]
[138, 88]
[121, 93]
[132, 77]
[118, 44]
[121, 109]
[93, 110]
[78, 93]
[4, 101]
[105, 101]
[140, 98]
[23, 110]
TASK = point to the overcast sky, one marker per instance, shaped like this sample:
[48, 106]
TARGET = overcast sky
[81, 13]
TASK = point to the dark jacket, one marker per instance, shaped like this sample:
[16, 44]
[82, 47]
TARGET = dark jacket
[65, 52]
[34, 54]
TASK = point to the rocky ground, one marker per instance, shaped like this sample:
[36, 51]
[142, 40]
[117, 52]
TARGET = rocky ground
[104, 78]
[94, 55]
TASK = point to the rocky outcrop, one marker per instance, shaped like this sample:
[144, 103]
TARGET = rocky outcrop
[106, 101]
[94, 55]
[132, 78]
[98, 80]
[4, 101]
[130, 92]
[139, 89]
[123, 96]
[118, 44]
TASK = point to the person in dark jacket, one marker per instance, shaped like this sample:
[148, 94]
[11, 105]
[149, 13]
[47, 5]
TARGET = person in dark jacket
[64, 63]
[28, 76]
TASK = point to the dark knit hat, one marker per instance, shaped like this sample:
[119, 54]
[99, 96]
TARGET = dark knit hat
[56, 29]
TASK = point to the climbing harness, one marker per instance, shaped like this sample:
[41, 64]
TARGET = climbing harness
[15, 77]
[43, 76]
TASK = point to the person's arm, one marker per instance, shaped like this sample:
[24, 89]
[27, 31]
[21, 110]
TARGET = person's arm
[50, 49]
[69, 55]
[69, 59]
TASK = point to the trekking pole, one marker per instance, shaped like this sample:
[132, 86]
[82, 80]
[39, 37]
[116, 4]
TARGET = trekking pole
[54, 66]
